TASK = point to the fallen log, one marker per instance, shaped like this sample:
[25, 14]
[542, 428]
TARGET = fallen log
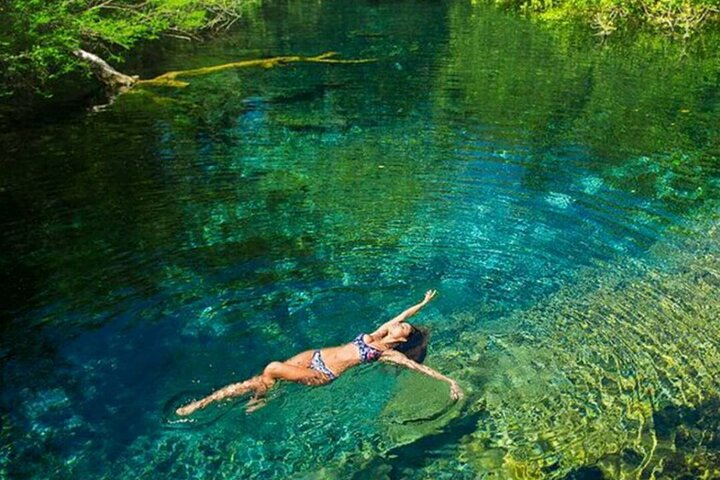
[118, 83]
[113, 80]
[170, 79]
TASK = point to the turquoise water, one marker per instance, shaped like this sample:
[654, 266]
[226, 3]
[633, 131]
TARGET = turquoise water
[180, 239]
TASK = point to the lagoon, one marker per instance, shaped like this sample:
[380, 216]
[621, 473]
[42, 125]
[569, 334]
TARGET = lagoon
[560, 194]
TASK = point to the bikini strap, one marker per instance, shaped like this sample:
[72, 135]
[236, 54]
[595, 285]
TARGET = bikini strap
[368, 353]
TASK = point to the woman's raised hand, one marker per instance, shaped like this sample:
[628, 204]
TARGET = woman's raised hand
[429, 295]
[456, 392]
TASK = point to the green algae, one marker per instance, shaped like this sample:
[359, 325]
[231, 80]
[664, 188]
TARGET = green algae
[420, 406]
[583, 377]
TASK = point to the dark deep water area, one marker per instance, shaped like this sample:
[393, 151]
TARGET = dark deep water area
[561, 195]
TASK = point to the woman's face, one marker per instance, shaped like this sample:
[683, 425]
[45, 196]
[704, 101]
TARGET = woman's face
[401, 331]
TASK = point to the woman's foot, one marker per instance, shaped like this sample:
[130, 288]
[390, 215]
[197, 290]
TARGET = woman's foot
[186, 410]
[191, 407]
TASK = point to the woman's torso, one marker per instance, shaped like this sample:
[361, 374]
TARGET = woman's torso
[338, 359]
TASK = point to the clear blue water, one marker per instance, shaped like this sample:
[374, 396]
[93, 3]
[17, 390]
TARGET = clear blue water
[180, 239]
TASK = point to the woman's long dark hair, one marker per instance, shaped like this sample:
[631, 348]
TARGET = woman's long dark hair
[415, 348]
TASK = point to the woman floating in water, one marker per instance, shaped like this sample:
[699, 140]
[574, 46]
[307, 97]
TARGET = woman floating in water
[394, 342]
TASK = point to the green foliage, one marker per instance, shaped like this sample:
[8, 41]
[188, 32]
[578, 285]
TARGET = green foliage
[33, 44]
[37, 36]
[681, 18]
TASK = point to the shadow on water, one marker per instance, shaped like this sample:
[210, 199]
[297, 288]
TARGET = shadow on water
[398, 462]
[586, 473]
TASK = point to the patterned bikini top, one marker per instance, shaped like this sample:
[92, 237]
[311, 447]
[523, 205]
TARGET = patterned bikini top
[368, 353]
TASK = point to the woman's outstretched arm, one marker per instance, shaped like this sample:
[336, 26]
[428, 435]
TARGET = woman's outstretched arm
[397, 358]
[380, 332]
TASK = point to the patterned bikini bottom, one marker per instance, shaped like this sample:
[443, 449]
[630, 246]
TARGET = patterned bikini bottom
[318, 365]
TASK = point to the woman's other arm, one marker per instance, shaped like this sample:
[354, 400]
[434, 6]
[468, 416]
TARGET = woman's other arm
[397, 358]
[380, 332]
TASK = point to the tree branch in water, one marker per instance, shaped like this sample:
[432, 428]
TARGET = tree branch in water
[117, 82]
[170, 79]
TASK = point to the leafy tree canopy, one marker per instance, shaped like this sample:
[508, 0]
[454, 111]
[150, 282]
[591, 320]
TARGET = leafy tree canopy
[37, 36]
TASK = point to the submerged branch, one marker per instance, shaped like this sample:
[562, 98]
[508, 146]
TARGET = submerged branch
[170, 79]
[117, 82]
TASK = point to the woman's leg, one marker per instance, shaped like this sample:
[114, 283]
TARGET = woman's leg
[232, 390]
[292, 373]
[302, 359]
[260, 384]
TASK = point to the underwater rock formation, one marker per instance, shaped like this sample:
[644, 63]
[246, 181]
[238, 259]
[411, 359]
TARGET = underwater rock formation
[614, 377]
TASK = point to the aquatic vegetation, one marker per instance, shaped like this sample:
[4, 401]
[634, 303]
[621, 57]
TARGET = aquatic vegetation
[589, 378]
[419, 407]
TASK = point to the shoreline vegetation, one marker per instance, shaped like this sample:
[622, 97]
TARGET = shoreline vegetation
[678, 19]
[41, 40]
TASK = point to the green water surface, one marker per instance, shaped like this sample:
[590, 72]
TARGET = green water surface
[562, 196]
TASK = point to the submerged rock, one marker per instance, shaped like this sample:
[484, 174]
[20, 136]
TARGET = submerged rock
[582, 383]
[419, 407]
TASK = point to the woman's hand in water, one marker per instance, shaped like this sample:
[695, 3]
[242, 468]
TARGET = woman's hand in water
[456, 392]
[429, 295]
